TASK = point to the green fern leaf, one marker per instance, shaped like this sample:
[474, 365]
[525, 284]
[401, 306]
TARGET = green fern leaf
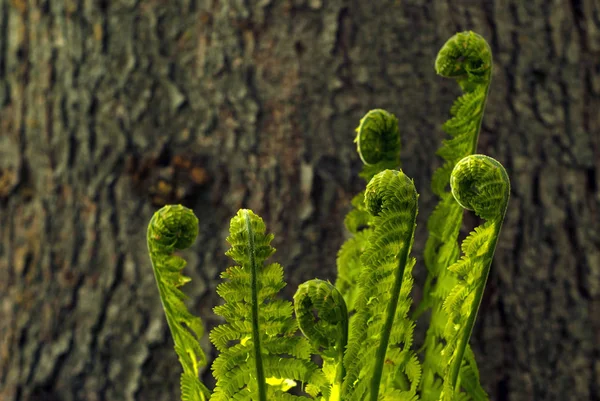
[381, 333]
[378, 145]
[323, 318]
[260, 353]
[175, 227]
[467, 58]
[475, 180]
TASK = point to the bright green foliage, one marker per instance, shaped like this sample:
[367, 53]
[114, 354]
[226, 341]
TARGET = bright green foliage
[323, 318]
[378, 145]
[258, 341]
[173, 228]
[479, 183]
[467, 58]
[381, 333]
[378, 142]
[353, 341]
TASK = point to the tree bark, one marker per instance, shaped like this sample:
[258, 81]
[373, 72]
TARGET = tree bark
[111, 108]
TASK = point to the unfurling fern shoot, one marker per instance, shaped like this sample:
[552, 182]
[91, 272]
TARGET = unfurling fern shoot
[378, 145]
[381, 332]
[359, 327]
[258, 347]
[175, 227]
[465, 57]
[479, 183]
[323, 318]
[378, 142]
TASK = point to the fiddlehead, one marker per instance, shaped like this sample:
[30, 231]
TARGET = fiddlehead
[174, 228]
[378, 145]
[381, 333]
[323, 318]
[479, 183]
[467, 58]
[378, 142]
[259, 350]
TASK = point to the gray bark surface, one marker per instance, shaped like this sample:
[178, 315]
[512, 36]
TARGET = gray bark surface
[111, 108]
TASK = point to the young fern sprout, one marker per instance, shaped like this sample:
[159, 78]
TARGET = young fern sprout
[172, 228]
[381, 333]
[481, 184]
[465, 57]
[323, 318]
[260, 357]
[378, 145]
[359, 327]
[378, 142]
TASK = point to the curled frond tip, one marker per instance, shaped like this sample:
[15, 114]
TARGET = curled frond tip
[387, 188]
[465, 54]
[480, 183]
[174, 226]
[378, 137]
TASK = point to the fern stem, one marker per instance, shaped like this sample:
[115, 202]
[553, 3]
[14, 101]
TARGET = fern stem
[260, 373]
[481, 184]
[466, 334]
[389, 321]
[342, 343]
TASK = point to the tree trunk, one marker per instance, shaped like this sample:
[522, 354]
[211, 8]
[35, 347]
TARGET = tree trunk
[111, 108]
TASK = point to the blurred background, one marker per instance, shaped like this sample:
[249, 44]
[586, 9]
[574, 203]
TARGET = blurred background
[110, 109]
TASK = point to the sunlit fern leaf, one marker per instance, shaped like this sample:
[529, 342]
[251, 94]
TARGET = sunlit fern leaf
[381, 333]
[467, 58]
[175, 227]
[349, 266]
[472, 180]
[357, 218]
[258, 344]
[469, 377]
[462, 267]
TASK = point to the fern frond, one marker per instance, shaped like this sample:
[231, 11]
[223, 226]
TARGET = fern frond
[357, 218]
[378, 145]
[323, 318]
[467, 58]
[175, 227]
[469, 377]
[261, 356]
[349, 266]
[378, 142]
[475, 180]
[381, 332]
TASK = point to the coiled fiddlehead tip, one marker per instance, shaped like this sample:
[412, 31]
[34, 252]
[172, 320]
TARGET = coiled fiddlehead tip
[390, 185]
[465, 54]
[480, 183]
[378, 137]
[174, 226]
[321, 313]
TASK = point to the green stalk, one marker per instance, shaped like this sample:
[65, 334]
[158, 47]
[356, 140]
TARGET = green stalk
[260, 373]
[481, 184]
[464, 340]
[387, 328]
[342, 343]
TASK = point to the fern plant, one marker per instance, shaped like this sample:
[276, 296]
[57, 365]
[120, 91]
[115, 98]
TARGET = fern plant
[353, 340]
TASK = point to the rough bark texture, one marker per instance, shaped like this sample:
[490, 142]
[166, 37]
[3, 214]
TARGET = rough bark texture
[109, 109]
